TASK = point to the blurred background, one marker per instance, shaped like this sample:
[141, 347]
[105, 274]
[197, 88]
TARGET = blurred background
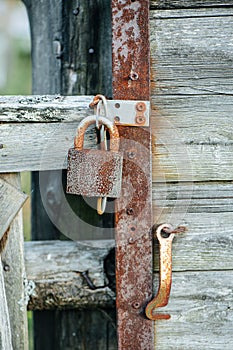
[15, 79]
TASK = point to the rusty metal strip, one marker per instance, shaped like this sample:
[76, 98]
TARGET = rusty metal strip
[130, 20]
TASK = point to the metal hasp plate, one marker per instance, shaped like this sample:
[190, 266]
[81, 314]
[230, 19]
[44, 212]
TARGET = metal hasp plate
[130, 21]
[132, 113]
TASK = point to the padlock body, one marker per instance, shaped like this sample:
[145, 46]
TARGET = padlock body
[94, 173]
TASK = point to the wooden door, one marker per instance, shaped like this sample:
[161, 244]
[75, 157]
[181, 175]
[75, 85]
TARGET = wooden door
[191, 80]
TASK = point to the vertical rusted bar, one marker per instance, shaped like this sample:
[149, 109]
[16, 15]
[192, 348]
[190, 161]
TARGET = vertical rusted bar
[130, 21]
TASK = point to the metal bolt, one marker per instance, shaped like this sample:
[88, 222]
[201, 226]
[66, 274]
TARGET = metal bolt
[130, 211]
[133, 76]
[133, 228]
[131, 155]
[117, 119]
[131, 240]
[6, 267]
[91, 50]
[141, 106]
[76, 11]
[140, 119]
[57, 49]
[117, 105]
[136, 305]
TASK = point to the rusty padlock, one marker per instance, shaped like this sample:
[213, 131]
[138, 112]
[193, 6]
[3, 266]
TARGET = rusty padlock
[93, 172]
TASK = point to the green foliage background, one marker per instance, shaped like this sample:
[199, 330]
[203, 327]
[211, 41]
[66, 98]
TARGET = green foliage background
[19, 83]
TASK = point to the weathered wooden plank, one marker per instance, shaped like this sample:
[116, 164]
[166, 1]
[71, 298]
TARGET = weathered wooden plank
[61, 282]
[196, 297]
[14, 274]
[201, 306]
[193, 12]
[185, 160]
[208, 232]
[182, 63]
[210, 197]
[176, 4]
[208, 243]
[5, 330]
[11, 201]
[191, 88]
[44, 108]
[192, 162]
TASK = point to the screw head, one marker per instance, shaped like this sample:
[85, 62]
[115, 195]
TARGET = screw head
[131, 240]
[6, 267]
[76, 11]
[131, 154]
[136, 305]
[117, 119]
[133, 76]
[141, 107]
[140, 119]
[130, 211]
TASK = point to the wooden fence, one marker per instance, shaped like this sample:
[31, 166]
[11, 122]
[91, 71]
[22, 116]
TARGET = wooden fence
[191, 52]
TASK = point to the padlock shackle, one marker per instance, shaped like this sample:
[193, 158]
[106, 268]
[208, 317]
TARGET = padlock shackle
[86, 122]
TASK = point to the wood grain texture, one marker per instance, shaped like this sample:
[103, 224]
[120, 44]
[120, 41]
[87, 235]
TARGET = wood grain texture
[201, 312]
[5, 330]
[195, 137]
[71, 51]
[209, 231]
[191, 94]
[182, 63]
[57, 269]
[14, 274]
[197, 297]
[44, 108]
[11, 202]
[176, 4]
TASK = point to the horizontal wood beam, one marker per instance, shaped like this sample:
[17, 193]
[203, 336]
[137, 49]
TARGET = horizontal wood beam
[38, 135]
[182, 4]
[58, 269]
[44, 108]
[55, 270]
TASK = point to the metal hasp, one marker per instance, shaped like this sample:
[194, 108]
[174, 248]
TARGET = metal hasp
[133, 220]
[131, 113]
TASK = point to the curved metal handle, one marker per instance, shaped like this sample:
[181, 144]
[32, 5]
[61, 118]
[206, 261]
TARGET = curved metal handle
[86, 122]
[165, 275]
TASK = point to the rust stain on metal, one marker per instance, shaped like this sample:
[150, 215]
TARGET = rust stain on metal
[95, 173]
[140, 117]
[86, 122]
[130, 30]
[130, 20]
[165, 271]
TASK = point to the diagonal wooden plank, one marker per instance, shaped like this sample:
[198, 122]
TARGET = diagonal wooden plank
[12, 201]
[5, 331]
[14, 275]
